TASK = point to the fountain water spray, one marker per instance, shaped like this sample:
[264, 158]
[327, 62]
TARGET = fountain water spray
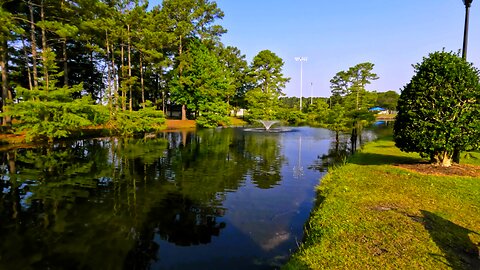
[268, 123]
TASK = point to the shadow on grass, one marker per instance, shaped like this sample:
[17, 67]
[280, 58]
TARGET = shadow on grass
[387, 138]
[381, 159]
[453, 240]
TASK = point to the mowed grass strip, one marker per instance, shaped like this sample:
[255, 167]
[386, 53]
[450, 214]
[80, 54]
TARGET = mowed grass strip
[372, 214]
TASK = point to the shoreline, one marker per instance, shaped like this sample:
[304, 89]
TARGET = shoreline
[372, 213]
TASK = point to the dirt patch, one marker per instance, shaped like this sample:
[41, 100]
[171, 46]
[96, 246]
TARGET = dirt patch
[180, 124]
[454, 170]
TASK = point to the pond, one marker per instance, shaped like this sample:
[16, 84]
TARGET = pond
[211, 199]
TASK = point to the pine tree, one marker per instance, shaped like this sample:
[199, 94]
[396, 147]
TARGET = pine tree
[267, 84]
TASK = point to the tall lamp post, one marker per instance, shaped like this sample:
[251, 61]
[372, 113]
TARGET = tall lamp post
[301, 59]
[467, 3]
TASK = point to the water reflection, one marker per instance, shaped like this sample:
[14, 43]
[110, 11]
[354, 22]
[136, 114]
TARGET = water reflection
[340, 149]
[266, 159]
[298, 169]
[211, 199]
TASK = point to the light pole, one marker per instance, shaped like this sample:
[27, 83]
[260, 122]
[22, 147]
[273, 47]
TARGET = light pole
[467, 3]
[301, 59]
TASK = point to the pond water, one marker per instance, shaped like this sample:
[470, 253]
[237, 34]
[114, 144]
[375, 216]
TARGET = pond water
[211, 199]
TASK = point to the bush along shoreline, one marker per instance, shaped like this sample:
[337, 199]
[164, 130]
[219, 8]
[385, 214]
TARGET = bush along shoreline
[386, 209]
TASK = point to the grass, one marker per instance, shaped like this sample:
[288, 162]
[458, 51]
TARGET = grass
[190, 124]
[235, 121]
[372, 214]
[386, 116]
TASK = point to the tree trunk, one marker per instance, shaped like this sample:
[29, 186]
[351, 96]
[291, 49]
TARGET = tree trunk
[164, 107]
[115, 80]
[33, 43]
[122, 67]
[109, 75]
[456, 155]
[27, 66]
[65, 62]
[3, 66]
[141, 80]
[358, 93]
[353, 140]
[130, 102]
[16, 208]
[184, 106]
[44, 48]
[184, 112]
[445, 159]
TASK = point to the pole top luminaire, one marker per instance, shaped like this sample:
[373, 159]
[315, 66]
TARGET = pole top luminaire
[304, 58]
[467, 2]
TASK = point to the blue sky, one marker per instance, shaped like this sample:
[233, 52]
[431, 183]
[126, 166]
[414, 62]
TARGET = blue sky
[335, 35]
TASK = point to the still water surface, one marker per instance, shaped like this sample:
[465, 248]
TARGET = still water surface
[211, 199]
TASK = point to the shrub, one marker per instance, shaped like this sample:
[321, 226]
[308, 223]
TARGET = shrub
[439, 109]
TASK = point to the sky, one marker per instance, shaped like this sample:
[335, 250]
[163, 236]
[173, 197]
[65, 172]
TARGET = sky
[335, 35]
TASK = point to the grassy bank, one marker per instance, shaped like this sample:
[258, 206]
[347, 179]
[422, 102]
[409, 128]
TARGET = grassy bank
[374, 214]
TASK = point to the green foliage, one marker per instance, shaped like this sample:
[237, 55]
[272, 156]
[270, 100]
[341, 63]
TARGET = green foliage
[203, 86]
[213, 114]
[261, 105]
[362, 117]
[147, 119]
[53, 114]
[313, 114]
[348, 91]
[388, 100]
[237, 68]
[337, 120]
[351, 84]
[192, 18]
[293, 117]
[268, 82]
[439, 109]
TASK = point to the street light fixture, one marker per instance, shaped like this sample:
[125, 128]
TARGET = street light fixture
[467, 3]
[301, 59]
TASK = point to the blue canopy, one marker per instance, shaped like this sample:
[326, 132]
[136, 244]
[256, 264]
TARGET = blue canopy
[377, 109]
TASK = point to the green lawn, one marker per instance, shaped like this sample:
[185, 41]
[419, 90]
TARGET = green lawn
[372, 214]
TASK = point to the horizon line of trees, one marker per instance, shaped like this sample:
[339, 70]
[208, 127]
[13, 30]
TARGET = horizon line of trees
[70, 64]
[99, 61]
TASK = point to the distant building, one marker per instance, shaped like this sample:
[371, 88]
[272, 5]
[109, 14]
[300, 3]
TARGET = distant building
[238, 112]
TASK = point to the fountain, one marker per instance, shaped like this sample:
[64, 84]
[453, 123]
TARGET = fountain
[268, 123]
[267, 127]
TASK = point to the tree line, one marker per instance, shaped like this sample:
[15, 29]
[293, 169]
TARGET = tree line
[70, 64]
[79, 62]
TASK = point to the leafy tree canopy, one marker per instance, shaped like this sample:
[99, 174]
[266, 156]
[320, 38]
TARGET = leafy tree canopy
[267, 82]
[388, 100]
[351, 84]
[203, 86]
[439, 109]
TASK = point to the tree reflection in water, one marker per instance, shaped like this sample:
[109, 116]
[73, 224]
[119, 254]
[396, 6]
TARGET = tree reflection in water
[343, 147]
[136, 204]
[71, 204]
